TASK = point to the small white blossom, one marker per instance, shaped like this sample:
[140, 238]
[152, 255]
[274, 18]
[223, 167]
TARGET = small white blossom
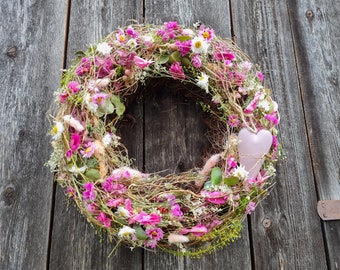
[76, 170]
[104, 48]
[203, 81]
[57, 130]
[126, 231]
[199, 45]
[240, 172]
[122, 212]
[91, 105]
[132, 43]
[107, 139]
[264, 104]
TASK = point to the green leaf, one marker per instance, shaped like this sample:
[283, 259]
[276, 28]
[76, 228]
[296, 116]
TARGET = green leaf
[231, 181]
[93, 174]
[186, 62]
[92, 163]
[216, 176]
[162, 59]
[120, 107]
[140, 233]
[119, 72]
[175, 57]
[183, 38]
[106, 107]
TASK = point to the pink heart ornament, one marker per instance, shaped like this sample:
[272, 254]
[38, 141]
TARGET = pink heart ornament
[252, 149]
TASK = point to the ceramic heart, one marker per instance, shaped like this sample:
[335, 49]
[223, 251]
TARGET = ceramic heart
[252, 148]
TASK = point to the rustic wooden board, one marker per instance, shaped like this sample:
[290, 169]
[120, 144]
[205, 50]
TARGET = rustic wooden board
[74, 243]
[316, 36]
[30, 61]
[285, 228]
[174, 130]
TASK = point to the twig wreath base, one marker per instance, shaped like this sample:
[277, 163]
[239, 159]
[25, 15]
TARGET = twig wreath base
[190, 213]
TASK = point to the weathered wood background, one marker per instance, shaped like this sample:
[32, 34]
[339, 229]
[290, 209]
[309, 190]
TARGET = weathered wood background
[296, 42]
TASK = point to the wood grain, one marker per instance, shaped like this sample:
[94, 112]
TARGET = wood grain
[30, 61]
[74, 242]
[285, 228]
[316, 37]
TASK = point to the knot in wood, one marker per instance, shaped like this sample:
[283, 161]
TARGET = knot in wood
[8, 195]
[310, 15]
[12, 52]
[266, 223]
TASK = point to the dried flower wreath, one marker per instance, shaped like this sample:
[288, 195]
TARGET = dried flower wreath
[190, 213]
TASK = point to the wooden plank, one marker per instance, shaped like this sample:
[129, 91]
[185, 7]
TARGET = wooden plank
[174, 130]
[285, 228]
[316, 36]
[74, 243]
[31, 56]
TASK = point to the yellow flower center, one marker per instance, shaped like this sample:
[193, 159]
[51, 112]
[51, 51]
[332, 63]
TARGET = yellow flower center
[206, 34]
[122, 38]
[55, 130]
[198, 44]
[88, 150]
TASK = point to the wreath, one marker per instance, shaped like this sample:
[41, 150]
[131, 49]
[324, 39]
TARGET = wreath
[189, 213]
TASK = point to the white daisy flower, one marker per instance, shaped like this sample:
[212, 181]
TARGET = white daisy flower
[199, 45]
[240, 172]
[57, 130]
[91, 105]
[104, 48]
[76, 170]
[203, 81]
[107, 139]
[122, 212]
[264, 104]
[132, 43]
[126, 231]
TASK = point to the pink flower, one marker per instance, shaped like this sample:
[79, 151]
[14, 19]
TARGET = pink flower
[233, 120]
[71, 191]
[154, 233]
[171, 25]
[250, 208]
[131, 32]
[102, 218]
[89, 150]
[176, 210]
[63, 97]
[196, 61]
[99, 98]
[184, 47]
[207, 33]
[145, 219]
[128, 205]
[231, 162]
[75, 142]
[252, 105]
[197, 230]
[92, 207]
[89, 193]
[84, 67]
[120, 36]
[260, 76]
[176, 71]
[215, 197]
[68, 154]
[151, 243]
[73, 86]
[113, 188]
[141, 63]
[114, 202]
[223, 54]
[272, 118]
